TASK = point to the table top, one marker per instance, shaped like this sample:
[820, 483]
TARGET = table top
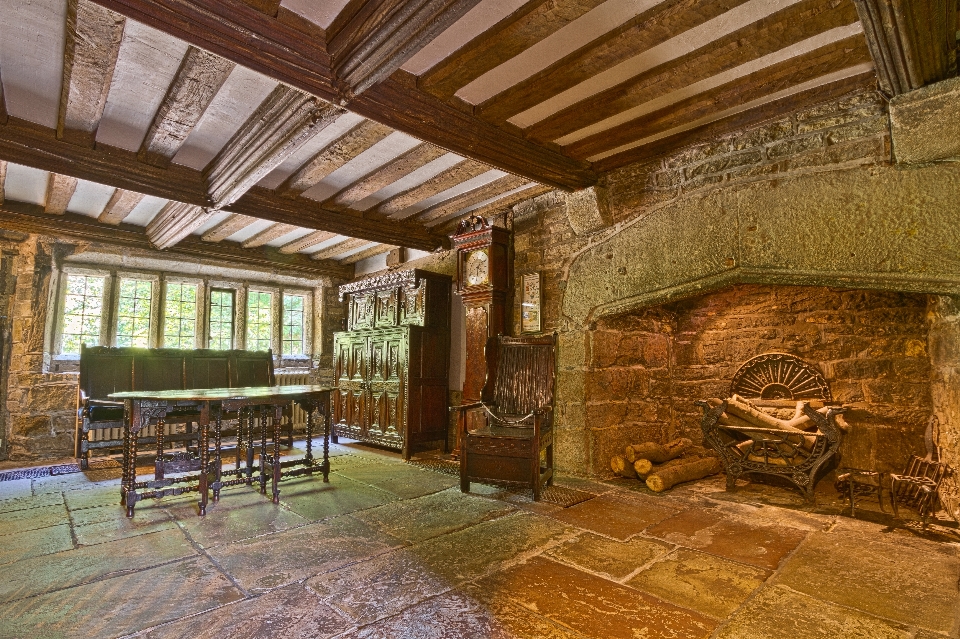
[220, 394]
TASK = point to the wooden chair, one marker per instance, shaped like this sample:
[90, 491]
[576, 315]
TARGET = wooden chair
[508, 435]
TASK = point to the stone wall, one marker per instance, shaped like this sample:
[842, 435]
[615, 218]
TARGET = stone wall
[646, 368]
[944, 347]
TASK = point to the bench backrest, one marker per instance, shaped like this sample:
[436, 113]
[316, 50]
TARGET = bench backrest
[521, 373]
[105, 370]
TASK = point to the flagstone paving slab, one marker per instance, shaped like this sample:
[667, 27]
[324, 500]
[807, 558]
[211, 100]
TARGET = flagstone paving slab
[403, 480]
[314, 500]
[616, 559]
[616, 515]
[121, 605]
[34, 543]
[701, 582]
[291, 613]
[72, 567]
[778, 612]
[22, 520]
[414, 520]
[16, 489]
[27, 500]
[900, 582]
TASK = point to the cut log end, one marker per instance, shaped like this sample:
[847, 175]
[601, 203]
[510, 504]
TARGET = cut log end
[622, 467]
[665, 478]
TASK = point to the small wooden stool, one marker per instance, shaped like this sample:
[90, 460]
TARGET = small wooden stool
[858, 481]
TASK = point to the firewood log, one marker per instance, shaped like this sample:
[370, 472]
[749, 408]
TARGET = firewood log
[622, 467]
[645, 467]
[657, 453]
[669, 477]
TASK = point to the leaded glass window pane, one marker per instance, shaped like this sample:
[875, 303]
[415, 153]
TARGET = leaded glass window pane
[292, 328]
[180, 316]
[221, 319]
[259, 316]
[133, 313]
[82, 311]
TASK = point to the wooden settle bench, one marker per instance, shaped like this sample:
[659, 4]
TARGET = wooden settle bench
[105, 370]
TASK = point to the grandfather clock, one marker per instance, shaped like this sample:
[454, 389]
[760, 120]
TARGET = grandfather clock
[483, 280]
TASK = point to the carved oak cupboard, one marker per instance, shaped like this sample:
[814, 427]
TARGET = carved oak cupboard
[391, 365]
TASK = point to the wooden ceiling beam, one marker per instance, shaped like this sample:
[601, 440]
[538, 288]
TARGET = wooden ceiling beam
[93, 36]
[3, 179]
[511, 36]
[339, 249]
[473, 196]
[460, 172]
[744, 120]
[197, 82]
[174, 222]
[268, 235]
[913, 42]
[121, 204]
[333, 156]
[380, 35]
[266, 7]
[3, 103]
[376, 249]
[415, 158]
[270, 46]
[230, 225]
[60, 189]
[285, 121]
[307, 241]
[488, 210]
[29, 218]
[843, 54]
[782, 29]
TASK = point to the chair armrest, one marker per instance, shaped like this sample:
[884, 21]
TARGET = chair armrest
[543, 410]
[461, 407]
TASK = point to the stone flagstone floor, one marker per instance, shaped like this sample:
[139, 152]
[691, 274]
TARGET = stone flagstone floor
[390, 550]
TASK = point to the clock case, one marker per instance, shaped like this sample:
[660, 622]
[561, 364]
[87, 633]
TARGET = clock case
[495, 240]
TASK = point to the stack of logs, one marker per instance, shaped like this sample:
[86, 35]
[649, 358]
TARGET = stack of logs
[663, 466]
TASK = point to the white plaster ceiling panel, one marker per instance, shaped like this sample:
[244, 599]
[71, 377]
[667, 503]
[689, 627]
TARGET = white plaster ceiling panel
[410, 180]
[337, 239]
[236, 101]
[316, 144]
[362, 247]
[251, 230]
[212, 221]
[146, 66]
[713, 117]
[31, 58]
[588, 27]
[90, 198]
[289, 237]
[474, 22]
[145, 211]
[25, 184]
[319, 12]
[463, 212]
[365, 163]
[371, 264]
[443, 196]
[794, 50]
[680, 45]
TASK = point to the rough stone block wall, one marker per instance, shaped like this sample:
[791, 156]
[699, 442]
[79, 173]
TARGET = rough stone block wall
[944, 346]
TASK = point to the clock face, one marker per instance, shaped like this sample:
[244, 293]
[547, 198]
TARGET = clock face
[476, 268]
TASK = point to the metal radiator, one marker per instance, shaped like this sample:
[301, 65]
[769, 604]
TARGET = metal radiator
[295, 379]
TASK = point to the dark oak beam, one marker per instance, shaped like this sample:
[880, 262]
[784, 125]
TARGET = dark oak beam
[493, 208]
[3, 179]
[376, 249]
[60, 189]
[510, 37]
[768, 112]
[913, 42]
[268, 234]
[267, 7]
[29, 218]
[307, 241]
[270, 46]
[460, 172]
[230, 225]
[3, 102]
[779, 30]
[378, 36]
[339, 249]
[419, 156]
[443, 210]
[843, 54]
[333, 156]
[93, 36]
[197, 82]
[174, 222]
[121, 204]
[286, 120]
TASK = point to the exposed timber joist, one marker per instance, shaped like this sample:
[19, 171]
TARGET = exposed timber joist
[339, 249]
[267, 235]
[307, 241]
[333, 156]
[493, 208]
[248, 37]
[60, 189]
[473, 196]
[456, 174]
[197, 82]
[913, 42]
[93, 36]
[375, 37]
[29, 218]
[228, 227]
[285, 120]
[3, 179]
[3, 102]
[376, 249]
[174, 222]
[121, 204]
[419, 156]
[38, 147]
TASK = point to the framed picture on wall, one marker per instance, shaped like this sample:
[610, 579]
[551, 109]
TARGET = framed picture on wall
[530, 301]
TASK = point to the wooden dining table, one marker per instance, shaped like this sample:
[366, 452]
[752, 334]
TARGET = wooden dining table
[183, 471]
